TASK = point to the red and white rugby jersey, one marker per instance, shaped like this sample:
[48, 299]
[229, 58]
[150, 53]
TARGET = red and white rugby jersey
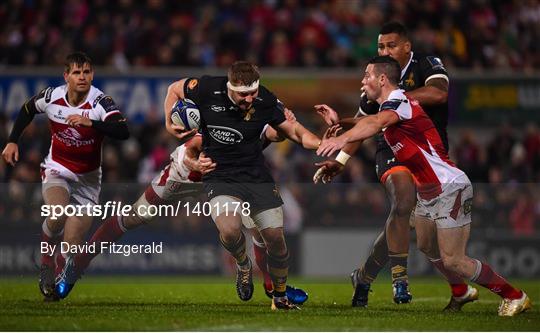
[185, 174]
[76, 148]
[416, 143]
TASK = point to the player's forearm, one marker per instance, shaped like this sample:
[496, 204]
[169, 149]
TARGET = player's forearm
[114, 129]
[348, 123]
[430, 94]
[25, 116]
[352, 147]
[364, 129]
[307, 139]
[175, 91]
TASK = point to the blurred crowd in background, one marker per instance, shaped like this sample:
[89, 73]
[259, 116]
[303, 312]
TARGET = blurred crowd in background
[476, 34]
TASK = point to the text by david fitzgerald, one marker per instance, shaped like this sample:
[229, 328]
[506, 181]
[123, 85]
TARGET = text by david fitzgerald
[103, 247]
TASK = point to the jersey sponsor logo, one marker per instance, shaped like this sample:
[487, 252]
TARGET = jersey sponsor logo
[225, 135]
[71, 137]
[218, 108]
[192, 84]
[397, 147]
[435, 62]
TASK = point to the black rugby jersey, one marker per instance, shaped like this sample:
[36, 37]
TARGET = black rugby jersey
[231, 136]
[420, 68]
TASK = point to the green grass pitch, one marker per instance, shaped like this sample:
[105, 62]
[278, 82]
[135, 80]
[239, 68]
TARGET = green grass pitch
[211, 304]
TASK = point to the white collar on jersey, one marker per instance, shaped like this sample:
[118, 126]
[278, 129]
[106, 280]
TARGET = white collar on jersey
[407, 66]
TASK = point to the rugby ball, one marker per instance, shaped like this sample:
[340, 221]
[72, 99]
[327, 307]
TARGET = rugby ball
[185, 113]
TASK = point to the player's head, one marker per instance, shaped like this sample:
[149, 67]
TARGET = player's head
[394, 41]
[382, 73]
[78, 72]
[243, 83]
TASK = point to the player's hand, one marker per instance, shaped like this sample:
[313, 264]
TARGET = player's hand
[327, 171]
[75, 120]
[328, 114]
[331, 143]
[11, 153]
[179, 131]
[206, 164]
[289, 116]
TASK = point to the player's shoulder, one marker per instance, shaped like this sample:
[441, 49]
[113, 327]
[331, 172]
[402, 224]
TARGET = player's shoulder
[266, 98]
[98, 99]
[395, 99]
[428, 60]
[50, 94]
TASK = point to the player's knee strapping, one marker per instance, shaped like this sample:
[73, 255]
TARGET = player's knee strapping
[237, 249]
[278, 267]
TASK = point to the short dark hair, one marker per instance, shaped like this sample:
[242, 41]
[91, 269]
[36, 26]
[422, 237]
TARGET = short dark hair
[78, 58]
[395, 28]
[243, 73]
[388, 66]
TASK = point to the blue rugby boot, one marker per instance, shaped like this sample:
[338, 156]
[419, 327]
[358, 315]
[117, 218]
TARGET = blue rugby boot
[401, 292]
[295, 295]
[65, 281]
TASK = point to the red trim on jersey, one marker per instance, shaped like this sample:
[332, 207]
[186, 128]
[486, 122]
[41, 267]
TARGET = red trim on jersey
[164, 176]
[110, 114]
[85, 106]
[152, 197]
[60, 101]
[42, 173]
[195, 176]
[457, 206]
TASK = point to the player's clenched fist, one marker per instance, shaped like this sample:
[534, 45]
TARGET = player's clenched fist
[11, 153]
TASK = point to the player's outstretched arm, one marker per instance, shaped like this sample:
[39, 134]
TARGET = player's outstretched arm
[364, 128]
[25, 116]
[174, 93]
[299, 134]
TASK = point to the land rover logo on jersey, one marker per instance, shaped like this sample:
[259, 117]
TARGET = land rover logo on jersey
[217, 108]
[225, 135]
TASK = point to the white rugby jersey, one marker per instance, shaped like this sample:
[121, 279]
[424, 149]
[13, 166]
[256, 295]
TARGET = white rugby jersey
[416, 143]
[76, 148]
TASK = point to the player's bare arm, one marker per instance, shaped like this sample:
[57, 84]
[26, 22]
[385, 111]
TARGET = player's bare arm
[195, 159]
[364, 128]
[299, 134]
[174, 93]
[433, 93]
[274, 136]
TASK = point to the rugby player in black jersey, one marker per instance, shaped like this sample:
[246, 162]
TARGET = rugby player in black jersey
[234, 110]
[425, 79]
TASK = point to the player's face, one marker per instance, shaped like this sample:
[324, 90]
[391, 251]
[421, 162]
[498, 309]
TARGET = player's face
[394, 46]
[244, 100]
[370, 83]
[79, 78]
